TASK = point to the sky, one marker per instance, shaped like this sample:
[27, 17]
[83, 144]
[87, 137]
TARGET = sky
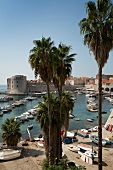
[22, 21]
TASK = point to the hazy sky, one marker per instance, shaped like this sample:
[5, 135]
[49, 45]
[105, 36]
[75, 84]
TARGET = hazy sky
[22, 21]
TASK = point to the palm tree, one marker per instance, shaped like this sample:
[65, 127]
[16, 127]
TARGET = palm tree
[11, 132]
[43, 119]
[97, 29]
[41, 61]
[67, 107]
[62, 67]
[62, 70]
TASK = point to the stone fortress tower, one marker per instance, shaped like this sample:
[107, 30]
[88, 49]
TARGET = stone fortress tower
[17, 84]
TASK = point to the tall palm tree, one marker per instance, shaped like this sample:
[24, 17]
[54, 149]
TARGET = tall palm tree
[43, 118]
[11, 132]
[62, 70]
[67, 107]
[97, 29]
[63, 66]
[41, 61]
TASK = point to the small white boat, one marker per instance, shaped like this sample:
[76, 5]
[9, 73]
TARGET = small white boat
[94, 139]
[90, 120]
[4, 110]
[8, 107]
[30, 116]
[95, 129]
[73, 148]
[71, 116]
[93, 110]
[70, 134]
[40, 143]
[84, 130]
[40, 137]
[30, 126]
[8, 154]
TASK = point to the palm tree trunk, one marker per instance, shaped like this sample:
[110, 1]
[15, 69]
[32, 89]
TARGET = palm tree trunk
[51, 151]
[46, 141]
[100, 119]
[59, 133]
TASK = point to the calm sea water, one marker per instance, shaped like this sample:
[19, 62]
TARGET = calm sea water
[79, 111]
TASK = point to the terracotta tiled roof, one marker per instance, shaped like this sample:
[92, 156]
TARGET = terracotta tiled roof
[107, 81]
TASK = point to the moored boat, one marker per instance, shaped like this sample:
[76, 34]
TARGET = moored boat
[71, 116]
[73, 148]
[104, 112]
[30, 126]
[82, 134]
[8, 154]
[82, 148]
[94, 139]
[90, 120]
[40, 143]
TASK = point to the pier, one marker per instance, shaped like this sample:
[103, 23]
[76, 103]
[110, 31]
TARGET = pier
[3, 92]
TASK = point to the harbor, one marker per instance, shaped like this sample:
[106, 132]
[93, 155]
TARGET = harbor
[80, 112]
[79, 122]
[34, 154]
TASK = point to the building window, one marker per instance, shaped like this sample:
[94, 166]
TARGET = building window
[17, 82]
[12, 82]
[17, 85]
[12, 86]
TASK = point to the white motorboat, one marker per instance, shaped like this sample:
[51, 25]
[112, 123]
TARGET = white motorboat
[40, 143]
[82, 148]
[93, 110]
[8, 107]
[40, 137]
[73, 148]
[90, 120]
[30, 116]
[8, 154]
[84, 130]
[70, 134]
[95, 129]
[71, 116]
[30, 126]
[94, 139]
